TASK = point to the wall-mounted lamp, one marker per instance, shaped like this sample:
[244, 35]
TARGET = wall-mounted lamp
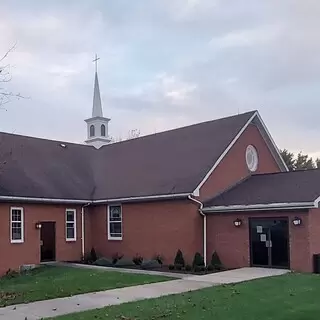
[297, 221]
[38, 225]
[237, 222]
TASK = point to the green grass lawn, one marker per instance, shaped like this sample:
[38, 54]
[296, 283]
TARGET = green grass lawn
[288, 297]
[49, 282]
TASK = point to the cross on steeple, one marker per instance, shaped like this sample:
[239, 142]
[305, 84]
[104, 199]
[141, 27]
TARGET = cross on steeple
[96, 62]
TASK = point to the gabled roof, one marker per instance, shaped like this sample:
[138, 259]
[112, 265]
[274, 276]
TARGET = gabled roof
[273, 190]
[168, 163]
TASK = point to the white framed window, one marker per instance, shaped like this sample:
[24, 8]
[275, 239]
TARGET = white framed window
[252, 159]
[71, 224]
[16, 225]
[114, 222]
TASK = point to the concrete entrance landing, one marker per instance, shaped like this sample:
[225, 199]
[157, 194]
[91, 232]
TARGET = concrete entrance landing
[88, 301]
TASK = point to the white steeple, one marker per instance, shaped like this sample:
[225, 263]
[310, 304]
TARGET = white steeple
[97, 125]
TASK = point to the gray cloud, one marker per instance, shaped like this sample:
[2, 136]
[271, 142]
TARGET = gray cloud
[164, 63]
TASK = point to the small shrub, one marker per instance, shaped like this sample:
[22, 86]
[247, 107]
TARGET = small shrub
[117, 256]
[179, 260]
[93, 255]
[210, 267]
[103, 262]
[202, 268]
[171, 266]
[159, 258]
[178, 267]
[197, 260]
[197, 268]
[150, 264]
[188, 267]
[123, 262]
[216, 262]
[137, 260]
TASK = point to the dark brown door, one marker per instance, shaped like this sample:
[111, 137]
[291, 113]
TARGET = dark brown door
[48, 241]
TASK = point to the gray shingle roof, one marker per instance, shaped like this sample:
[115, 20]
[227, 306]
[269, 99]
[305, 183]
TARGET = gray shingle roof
[282, 187]
[170, 162]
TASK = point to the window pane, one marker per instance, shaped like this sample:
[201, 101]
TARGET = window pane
[16, 215]
[115, 229]
[70, 233]
[70, 216]
[115, 213]
[16, 233]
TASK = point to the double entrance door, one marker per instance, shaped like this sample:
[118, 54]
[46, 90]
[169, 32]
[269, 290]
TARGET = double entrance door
[269, 242]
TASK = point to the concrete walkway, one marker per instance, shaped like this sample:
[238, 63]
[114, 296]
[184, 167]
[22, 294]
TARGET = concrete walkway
[55, 307]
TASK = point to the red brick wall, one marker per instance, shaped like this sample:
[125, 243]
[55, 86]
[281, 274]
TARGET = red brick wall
[12, 255]
[314, 227]
[151, 228]
[234, 168]
[233, 247]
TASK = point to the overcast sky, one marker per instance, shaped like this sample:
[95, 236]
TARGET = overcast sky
[164, 64]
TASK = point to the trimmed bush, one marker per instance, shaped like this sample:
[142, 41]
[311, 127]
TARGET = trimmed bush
[93, 255]
[137, 260]
[216, 262]
[197, 260]
[178, 267]
[159, 258]
[197, 268]
[150, 264]
[103, 262]
[188, 267]
[123, 262]
[171, 266]
[116, 256]
[210, 267]
[179, 260]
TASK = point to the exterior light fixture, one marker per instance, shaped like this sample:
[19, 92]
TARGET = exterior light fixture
[38, 225]
[237, 223]
[297, 221]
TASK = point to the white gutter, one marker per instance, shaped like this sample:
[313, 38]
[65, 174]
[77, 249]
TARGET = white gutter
[257, 207]
[155, 197]
[84, 201]
[83, 230]
[204, 228]
[48, 200]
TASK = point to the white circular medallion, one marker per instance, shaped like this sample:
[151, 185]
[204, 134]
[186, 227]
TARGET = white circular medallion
[252, 158]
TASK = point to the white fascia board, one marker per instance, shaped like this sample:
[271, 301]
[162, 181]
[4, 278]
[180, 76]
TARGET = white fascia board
[257, 207]
[154, 197]
[196, 192]
[47, 200]
[271, 139]
[316, 202]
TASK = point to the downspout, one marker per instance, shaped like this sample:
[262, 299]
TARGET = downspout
[83, 231]
[204, 227]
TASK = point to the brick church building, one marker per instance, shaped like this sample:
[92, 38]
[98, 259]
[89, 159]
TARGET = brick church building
[219, 185]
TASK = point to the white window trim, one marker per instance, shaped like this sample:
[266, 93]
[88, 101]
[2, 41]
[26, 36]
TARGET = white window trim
[75, 225]
[108, 213]
[22, 225]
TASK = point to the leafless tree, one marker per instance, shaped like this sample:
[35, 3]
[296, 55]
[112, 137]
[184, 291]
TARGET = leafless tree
[5, 77]
[132, 134]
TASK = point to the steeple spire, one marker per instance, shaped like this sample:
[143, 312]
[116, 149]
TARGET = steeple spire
[96, 107]
[97, 125]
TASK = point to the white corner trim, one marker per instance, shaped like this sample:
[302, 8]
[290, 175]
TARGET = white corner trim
[257, 207]
[108, 213]
[196, 192]
[316, 202]
[22, 225]
[75, 224]
[271, 139]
